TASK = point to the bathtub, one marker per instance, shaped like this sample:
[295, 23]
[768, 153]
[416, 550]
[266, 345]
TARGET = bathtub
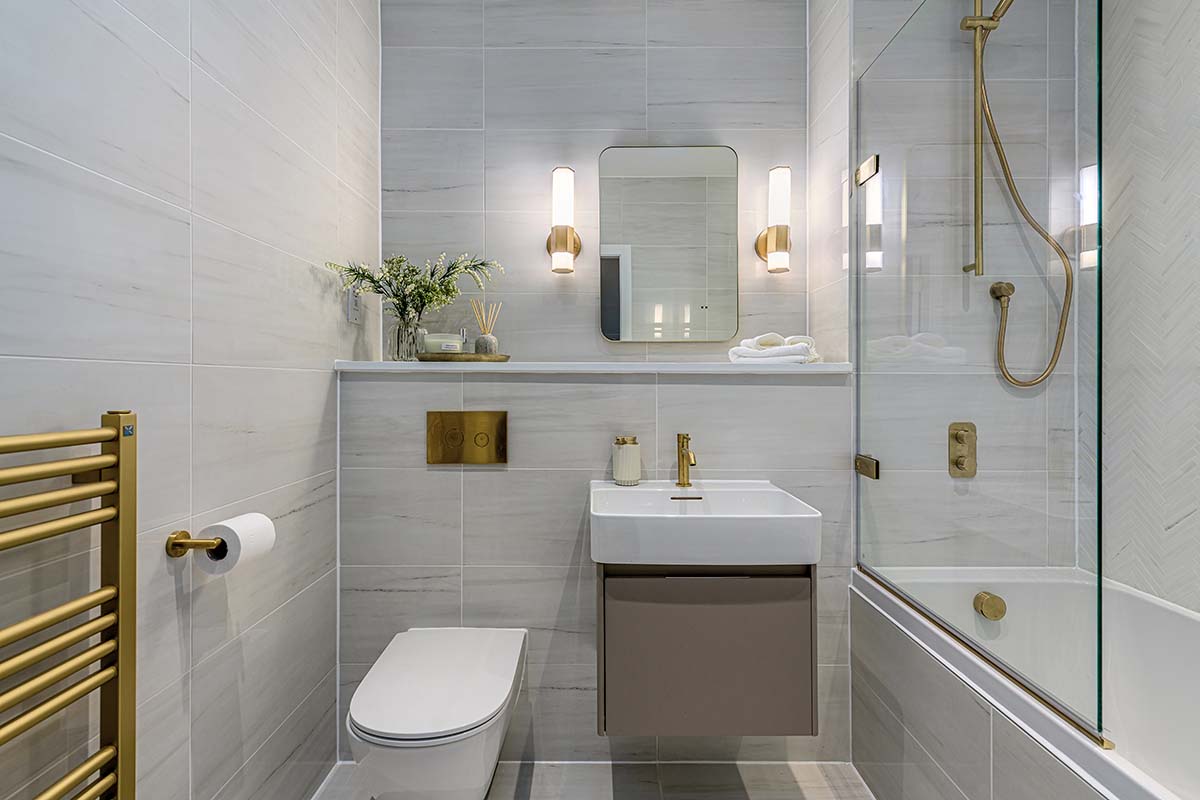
[1150, 654]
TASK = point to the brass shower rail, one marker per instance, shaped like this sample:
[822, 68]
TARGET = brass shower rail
[110, 477]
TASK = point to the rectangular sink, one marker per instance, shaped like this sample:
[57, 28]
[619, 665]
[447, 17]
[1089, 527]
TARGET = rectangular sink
[717, 523]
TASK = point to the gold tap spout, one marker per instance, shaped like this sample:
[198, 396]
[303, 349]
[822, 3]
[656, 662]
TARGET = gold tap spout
[687, 460]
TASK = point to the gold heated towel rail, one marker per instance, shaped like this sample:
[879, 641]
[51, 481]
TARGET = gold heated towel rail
[110, 477]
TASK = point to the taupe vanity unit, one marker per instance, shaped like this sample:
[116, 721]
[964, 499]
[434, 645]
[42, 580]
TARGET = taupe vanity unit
[706, 609]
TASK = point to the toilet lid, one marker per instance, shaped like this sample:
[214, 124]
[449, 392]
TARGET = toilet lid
[434, 682]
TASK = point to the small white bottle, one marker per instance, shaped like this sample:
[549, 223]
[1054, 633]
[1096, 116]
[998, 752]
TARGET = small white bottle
[627, 461]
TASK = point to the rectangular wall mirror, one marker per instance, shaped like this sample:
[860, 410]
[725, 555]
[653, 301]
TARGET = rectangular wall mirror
[668, 244]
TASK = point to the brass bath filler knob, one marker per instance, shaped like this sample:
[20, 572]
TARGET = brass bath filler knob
[990, 606]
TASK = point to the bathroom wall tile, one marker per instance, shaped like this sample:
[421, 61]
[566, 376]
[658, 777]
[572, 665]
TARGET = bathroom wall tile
[167, 18]
[242, 319]
[564, 23]
[1024, 770]
[556, 604]
[517, 166]
[546, 327]
[368, 12]
[95, 270]
[704, 23]
[527, 517]
[783, 424]
[316, 23]
[925, 125]
[596, 781]
[254, 52]
[424, 235]
[833, 615]
[875, 24]
[45, 396]
[829, 320]
[224, 607]
[517, 239]
[398, 517]
[566, 89]
[359, 228]
[143, 79]
[358, 153]
[379, 602]
[163, 731]
[383, 417]
[832, 744]
[829, 63]
[555, 720]
[432, 23]
[566, 422]
[266, 187]
[947, 717]
[164, 614]
[956, 321]
[247, 689]
[358, 55]
[923, 512]
[767, 781]
[432, 88]
[349, 677]
[893, 763]
[727, 88]
[433, 170]
[906, 426]
[255, 430]
[294, 761]
[673, 224]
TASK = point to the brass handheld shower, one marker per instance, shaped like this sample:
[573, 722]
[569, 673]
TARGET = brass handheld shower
[1002, 292]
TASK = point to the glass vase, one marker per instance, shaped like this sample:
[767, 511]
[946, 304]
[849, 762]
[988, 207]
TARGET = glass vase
[407, 339]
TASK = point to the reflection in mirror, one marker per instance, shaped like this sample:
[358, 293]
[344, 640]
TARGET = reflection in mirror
[668, 244]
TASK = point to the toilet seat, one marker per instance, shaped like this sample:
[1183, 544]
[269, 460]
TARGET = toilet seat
[435, 686]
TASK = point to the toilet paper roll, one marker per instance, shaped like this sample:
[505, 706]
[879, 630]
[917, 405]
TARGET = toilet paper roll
[246, 537]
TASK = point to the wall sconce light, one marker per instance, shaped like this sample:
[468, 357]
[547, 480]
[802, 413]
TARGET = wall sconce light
[564, 243]
[774, 244]
[1089, 217]
[868, 178]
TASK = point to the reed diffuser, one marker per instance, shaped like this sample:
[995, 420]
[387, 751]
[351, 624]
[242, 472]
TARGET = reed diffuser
[486, 318]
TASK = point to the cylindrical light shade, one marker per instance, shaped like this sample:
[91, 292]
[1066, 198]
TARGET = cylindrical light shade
[563, 197]
[1089, 216]
[779, 213]
[562, 213]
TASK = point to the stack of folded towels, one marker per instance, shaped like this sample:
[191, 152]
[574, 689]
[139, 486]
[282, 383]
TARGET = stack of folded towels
[772, 348]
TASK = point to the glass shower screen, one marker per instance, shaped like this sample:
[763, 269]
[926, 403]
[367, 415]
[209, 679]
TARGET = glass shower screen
[984, 514]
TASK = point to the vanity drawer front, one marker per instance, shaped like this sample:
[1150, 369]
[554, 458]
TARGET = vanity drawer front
[708, 656]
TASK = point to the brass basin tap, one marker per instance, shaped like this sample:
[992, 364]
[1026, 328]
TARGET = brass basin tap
[687, 460]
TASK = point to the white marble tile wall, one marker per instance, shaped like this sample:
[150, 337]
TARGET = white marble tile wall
[483, 98]
[175, 173]
[920, 733]
[913, 102]
[509, 545]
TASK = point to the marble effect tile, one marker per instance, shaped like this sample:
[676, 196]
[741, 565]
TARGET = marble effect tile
[379, 602]
[440, 88]
[556, 604]
[432, 23]
[564, 23]
[726, 88]
[393, 517]
[582, 88]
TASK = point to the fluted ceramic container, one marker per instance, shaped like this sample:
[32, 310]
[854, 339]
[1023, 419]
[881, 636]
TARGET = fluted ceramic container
[627, 461]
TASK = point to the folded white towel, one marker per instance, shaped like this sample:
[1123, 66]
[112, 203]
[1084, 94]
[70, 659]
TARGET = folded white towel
[799, 349]
[775, 360]
[764, 341]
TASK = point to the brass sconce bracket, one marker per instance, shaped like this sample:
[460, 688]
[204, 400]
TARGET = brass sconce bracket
[180, 543]
[775, 239]
[564, 239]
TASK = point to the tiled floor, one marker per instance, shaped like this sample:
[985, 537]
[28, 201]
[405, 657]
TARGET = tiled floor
[649, 782]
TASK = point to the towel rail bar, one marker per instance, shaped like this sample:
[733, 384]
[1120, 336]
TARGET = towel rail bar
[110, 477]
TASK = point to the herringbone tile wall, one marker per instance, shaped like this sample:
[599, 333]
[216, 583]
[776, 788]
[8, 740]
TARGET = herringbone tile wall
[1151, 324]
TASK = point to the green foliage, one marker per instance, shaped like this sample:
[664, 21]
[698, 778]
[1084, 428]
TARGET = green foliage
[410, 290]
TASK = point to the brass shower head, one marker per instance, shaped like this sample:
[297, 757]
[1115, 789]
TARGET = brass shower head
[1001, 9]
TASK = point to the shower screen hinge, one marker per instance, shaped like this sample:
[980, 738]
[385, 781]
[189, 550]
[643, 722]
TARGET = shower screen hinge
[866, 466]
[866, 170]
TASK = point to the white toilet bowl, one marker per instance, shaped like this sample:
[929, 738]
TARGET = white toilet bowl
[429, 718]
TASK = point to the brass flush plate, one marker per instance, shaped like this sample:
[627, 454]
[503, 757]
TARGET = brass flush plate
[466, 437]
[961, 449]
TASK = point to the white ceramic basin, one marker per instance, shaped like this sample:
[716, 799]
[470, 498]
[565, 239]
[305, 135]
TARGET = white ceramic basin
[731, 523]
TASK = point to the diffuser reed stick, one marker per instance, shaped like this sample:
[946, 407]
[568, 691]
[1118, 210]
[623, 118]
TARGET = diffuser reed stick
[486, 318]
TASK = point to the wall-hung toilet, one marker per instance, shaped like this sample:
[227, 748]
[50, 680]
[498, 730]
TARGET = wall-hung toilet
[429, 718]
